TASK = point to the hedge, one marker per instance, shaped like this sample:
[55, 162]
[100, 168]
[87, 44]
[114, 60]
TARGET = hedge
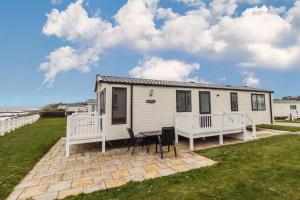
[52, 114]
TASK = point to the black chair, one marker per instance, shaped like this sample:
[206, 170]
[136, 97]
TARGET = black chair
[167, 138]
[136, 141]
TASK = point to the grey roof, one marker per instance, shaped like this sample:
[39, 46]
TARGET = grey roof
[91, 101]
[153, 82]
[285, 101]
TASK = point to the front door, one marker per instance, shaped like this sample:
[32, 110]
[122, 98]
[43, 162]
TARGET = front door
[205, 109]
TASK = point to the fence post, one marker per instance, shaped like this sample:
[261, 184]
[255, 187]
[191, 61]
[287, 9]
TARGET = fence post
[1, 128]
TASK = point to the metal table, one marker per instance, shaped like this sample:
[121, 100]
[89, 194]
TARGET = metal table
[153, 134]
[150, 133]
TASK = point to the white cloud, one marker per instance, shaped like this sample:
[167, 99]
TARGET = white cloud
[259, 37]
[65, 59]
[256, 25]
[221, 79]
[74, 24]
[158, 68]
[220, 8]
[250, 80]
[191, 2]
[56, 1]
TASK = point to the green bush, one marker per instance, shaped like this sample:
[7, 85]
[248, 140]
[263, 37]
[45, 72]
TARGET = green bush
[53, 114]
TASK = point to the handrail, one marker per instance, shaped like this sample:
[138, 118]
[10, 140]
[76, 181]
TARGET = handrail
[294, 114]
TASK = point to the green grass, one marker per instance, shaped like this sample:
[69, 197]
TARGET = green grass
[279, 127]
[263, 169]
[21, 149]
[289, 121]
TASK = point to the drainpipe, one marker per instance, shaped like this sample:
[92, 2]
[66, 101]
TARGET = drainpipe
[131, 106]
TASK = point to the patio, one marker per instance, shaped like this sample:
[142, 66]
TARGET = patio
[56, 176]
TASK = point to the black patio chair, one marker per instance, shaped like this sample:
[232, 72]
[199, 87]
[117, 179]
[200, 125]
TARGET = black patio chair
[167, 138]
[136, 141]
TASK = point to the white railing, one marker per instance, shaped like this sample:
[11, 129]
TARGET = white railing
[294, 114]
[12, 124]
[203, 122]
[85, 128]
[204, 125]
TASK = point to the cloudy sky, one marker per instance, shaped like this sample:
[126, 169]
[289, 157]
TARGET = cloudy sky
[51, 50]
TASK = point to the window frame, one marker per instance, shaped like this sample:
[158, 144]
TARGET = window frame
[186, 107]
[209, 102]
[257, 109]
[237, 101]
[113, 122]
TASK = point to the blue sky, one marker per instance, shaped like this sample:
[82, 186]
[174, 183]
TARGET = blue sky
[227, 59]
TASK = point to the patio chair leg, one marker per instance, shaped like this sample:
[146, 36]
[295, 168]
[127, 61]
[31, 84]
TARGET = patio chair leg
[136, 144]
[155, 148]
[175, 150]
[161, 152]
[168, 148]
[129, 146]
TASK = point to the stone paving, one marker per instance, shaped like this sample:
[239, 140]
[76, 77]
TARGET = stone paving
[88, 170]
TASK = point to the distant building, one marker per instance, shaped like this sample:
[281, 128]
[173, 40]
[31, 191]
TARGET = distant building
[91, 105]
[76, 108]
[282, 108]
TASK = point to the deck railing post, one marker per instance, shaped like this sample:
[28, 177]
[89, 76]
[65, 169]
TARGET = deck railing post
[176, 122]
[103, 133]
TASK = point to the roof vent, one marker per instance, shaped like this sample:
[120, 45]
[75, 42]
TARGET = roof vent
[192, 82]
[228, 85]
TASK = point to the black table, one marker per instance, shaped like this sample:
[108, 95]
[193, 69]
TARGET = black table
[150, 133]
[153, 134]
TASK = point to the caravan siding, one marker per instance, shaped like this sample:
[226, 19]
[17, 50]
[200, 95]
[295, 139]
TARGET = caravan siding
[154, 116]
[282, 108]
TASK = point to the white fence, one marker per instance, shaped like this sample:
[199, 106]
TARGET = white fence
[295, 114]
[85, 128]
[200, 126]
[9, 125]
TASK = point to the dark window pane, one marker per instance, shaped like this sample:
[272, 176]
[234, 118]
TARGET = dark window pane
[234, 101]
[204, 102]
[119, 105]
[258, 102]
[102, 102]
[293, 107]
[183, 101]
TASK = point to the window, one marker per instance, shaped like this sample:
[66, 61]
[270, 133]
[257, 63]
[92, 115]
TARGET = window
[183, 101]
[234, 101]
[119, 105]
[204, 98]
[293, 107]
[258, 102]
[102, 102]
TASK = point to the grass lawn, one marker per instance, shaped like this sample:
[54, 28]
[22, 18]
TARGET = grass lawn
[288, 121]
[264, 169]
[279, 127]
[21, 149]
